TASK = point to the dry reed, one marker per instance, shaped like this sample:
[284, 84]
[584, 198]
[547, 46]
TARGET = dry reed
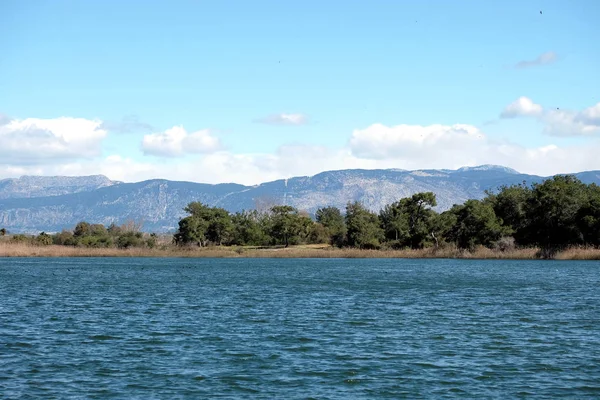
[579, 253]
[9, 249]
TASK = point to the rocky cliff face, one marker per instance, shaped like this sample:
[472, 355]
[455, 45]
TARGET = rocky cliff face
[55, 203]
[42, 186]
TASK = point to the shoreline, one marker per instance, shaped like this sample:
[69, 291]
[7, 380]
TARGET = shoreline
[11, 250]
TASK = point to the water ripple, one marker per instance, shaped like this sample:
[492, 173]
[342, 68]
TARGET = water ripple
[327, 329]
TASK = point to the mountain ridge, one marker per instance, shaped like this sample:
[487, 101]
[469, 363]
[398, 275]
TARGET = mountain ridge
[41, 186]
[159, 203]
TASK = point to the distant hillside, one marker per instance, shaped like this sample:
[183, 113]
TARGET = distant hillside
[159, 203]
[43, 186]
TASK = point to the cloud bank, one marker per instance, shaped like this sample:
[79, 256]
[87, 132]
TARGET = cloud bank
[556, 122]
[73, 146]
[177, 142]
[41, 141]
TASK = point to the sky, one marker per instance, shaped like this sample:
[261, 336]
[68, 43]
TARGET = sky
[252, 91]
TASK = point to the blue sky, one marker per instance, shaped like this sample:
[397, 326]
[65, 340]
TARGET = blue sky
[249, 91]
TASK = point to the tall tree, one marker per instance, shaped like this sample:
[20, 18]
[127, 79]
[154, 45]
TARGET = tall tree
[589, 217]
[553, 211]
[476, 224]
[408, 222]
[287, 225]
[332, 220]
[82, 229]
[220, 226]
[363, 227]
[203, 225]
[249, 229]
[395, 223]
[510, 206]
[419, 211]
[192, 230]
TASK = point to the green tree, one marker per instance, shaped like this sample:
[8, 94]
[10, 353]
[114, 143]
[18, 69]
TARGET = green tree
[418, 207]
[82, 229]
[20, 238]
[363, 227]
[64, 238]
[589, 217]
[395, 224]
[220, 226]
[510, 206]
[288, 226]
[553, 213]
[130, 239]
[192, 230]
[114, 230]
[248, 229]
[408, 222]
[43, 239]
[152, 241]
[440, 226]
[203, 225]
[476, 224]
[319, 234]
[98, 230]
[198, 210]
[332, 220]
[2, 231]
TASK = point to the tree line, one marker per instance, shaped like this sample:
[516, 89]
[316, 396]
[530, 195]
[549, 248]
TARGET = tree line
[557, 213]
[94, 236]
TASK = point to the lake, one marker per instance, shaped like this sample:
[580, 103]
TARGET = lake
[118, 328]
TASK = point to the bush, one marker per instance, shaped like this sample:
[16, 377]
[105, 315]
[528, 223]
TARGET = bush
[62, 238]
[20, 238]
[43, 239]
[505, 243]
[96, 241]
[130, 239]
[151, 241]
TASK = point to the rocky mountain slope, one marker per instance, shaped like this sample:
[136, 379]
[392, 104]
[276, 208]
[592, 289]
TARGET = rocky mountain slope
[41, 186]
[159, 203]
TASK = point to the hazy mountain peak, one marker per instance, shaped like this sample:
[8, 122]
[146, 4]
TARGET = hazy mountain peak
[489, 167]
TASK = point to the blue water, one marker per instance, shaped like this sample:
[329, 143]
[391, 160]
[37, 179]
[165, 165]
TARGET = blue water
[327, 329]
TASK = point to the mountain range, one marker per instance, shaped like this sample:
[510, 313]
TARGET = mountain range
[31, 204]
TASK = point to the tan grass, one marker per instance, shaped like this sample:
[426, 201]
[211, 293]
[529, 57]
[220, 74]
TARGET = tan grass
[9, 249]
[579, 253]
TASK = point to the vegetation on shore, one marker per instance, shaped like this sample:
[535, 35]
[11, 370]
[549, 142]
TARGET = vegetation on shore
[559, 218]
[11, 249]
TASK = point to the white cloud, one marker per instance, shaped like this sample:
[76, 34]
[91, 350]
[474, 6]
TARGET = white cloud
[522, 107]
[443, 146]
[408, 141]
[284, 119]
[299, 160]
[543, 59]
[569, 123]
[557, 122]
[176, 141]
[38, 141]
[68, 140]
[590, 116]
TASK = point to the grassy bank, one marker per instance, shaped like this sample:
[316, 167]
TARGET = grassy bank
[8, 249]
